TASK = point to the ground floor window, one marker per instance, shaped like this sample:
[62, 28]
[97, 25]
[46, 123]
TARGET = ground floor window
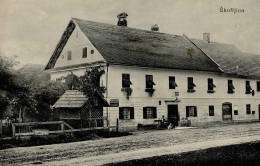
[248, 109]
[126, 113]
[191, 111]
[149, 113]
[211, 110]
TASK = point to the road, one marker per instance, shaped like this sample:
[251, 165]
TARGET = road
[140, 143]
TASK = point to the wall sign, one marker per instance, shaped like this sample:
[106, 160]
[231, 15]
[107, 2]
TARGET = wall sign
[114, 102]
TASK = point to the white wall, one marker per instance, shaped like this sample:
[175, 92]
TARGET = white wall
[200, 98]
[76, 43]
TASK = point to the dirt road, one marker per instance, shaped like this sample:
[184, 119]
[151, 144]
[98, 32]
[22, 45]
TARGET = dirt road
[73, 153]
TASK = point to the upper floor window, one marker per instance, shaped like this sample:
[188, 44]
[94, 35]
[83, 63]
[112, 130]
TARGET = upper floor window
[84, 52]
[69, 56]
[172, 83]
[149, 113]
[248, 87]
[211, 85]
[126, 113]
[230, 87]
[149, 82]
[248, 109]
[191, 111]
[258, 86]
[211, 110]
[191, 85]
[126, 81]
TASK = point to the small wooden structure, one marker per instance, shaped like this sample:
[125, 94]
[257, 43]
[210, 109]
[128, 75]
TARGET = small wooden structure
[73, 108]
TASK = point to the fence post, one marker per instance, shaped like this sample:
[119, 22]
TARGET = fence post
[62, 127]
[13, 129]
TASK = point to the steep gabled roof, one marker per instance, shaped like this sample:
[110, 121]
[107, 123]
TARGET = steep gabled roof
[130, 46]
[230, 59]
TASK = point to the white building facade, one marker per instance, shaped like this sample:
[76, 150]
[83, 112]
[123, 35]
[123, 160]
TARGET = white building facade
[201, 94]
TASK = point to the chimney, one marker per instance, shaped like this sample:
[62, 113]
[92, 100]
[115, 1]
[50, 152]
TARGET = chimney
[206, 37]
[155, 28]
[122, 19]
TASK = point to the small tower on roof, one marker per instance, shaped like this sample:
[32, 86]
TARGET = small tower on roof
[122, 19]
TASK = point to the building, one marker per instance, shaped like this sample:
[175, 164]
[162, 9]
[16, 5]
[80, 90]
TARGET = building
[149, 74]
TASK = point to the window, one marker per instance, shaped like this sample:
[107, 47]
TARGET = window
[230, 87]
[191, 111]
[235, 110]
[69, 55]
[248, 109]
[84, 52]
[211, 110]
[172, 83]
[149, 82]
[191, 85]
[126, 113]
[258, 86]
[126, 81]
[248, 87]
[149, 113]
[211, 85]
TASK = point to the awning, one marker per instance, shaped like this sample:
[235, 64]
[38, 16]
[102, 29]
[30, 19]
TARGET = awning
[71, 99]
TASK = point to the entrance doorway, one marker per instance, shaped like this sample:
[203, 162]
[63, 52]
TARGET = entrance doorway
[173, 115]
[227, 111]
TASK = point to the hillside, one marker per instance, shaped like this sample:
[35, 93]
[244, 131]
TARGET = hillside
[35, 73]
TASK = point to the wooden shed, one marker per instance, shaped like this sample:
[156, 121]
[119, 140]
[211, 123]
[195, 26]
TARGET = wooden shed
[73, 108]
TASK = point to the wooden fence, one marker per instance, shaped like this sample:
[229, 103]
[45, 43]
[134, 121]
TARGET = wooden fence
[46, 128]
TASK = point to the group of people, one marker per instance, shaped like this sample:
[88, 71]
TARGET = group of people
[170, 124]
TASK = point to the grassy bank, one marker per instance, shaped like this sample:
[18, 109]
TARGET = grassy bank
[55, 139]
[233, 155]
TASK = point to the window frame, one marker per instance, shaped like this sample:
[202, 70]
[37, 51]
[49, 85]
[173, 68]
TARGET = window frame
[191, 85]
[149, 82]
[126, 83]
[211, 85]
[248, 87]
[230, 87]
[69, 55]
[248, 109]
[130, 113]
[258, 86]
[172, 82]
[211, 110]
[153, 111]
[84, 52]
[195, 113]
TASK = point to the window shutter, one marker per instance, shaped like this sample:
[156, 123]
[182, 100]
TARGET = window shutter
[154, 112]
[195, 111]
[187, 111]
[144, 113]
[132, 116]
[121, 113]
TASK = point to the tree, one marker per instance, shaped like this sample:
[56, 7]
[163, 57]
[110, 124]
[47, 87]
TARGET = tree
[10, 85]
[90, 82]
[46, 95]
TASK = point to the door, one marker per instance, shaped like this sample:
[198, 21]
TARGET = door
[173, 115]
[227, 111]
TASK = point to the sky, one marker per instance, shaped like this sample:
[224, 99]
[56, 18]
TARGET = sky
[31, 29]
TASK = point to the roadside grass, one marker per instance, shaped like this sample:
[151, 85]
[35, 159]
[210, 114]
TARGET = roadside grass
[56, 139]
[232, 155]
